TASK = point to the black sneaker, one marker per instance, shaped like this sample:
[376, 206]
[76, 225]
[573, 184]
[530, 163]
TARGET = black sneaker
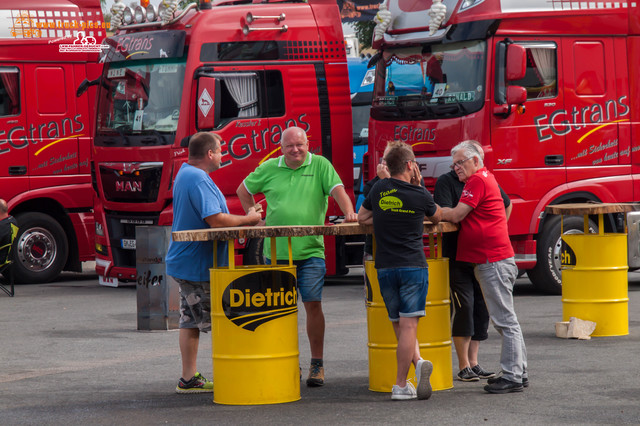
[482, 373]
[467, 375]
[525, 381]
[502, 385]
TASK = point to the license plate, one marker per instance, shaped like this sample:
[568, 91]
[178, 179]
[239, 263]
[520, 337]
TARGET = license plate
[107, 281]
[128, 244]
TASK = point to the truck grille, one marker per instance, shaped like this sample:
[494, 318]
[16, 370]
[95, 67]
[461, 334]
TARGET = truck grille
[131, 182]
[123, 226]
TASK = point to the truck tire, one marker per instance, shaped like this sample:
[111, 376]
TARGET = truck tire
[546, 276]
[41, 248]
[253, 254]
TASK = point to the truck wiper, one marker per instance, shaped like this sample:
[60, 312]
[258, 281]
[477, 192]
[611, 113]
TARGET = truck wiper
[158, 137]
[442, 108]
[124, 135]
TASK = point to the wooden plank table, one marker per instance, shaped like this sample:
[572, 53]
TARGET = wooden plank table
[235, 232]
[353, 228]
[586, 209]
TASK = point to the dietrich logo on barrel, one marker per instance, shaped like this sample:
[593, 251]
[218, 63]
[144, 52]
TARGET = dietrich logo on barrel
[257, 298]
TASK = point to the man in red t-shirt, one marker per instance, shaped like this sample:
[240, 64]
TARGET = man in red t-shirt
[484, 241]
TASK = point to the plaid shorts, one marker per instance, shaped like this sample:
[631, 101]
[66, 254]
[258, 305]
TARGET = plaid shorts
[195, 304]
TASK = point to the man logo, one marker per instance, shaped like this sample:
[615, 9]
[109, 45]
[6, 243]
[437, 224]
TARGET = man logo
[260, 297]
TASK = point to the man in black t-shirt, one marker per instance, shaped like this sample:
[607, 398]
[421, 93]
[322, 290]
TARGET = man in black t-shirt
[397, 207]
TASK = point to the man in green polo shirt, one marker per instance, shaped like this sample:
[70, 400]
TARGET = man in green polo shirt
[296, 187]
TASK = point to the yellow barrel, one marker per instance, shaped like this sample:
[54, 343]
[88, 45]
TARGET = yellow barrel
[594, 281]
[254, 323]
[434, 331]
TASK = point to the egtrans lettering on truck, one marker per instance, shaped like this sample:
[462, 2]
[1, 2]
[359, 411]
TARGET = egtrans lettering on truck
[549, 88]
[244, 70]
[46, 49]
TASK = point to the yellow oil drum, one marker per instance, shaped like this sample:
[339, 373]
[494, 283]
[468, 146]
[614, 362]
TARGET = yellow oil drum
[254, 334]
[434, 331]
[594, 281]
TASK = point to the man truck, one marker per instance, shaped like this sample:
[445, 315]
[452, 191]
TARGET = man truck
[245, 70]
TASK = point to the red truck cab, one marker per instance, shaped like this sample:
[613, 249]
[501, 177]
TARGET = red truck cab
[556, 127]
[45, 131]
[244, 70]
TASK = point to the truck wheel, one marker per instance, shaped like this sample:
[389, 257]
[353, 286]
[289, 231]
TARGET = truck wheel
[41, 249]
[546, 276]
[253, 254]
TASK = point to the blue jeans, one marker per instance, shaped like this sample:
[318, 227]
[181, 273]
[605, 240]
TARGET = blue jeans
[310, 277]
[404, 291]
[496, 280]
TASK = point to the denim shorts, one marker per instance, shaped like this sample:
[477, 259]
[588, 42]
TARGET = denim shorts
[195, 304]
[310, 277]
[404, 291]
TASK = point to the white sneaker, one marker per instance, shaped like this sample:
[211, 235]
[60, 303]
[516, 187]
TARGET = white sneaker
[407, 392]
[423, 373]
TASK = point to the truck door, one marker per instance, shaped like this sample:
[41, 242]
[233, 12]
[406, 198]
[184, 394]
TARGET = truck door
[54, 125]
[598, 137]
[529, 149]
[241, 120]
[256, 103]
[14, 140]
[297, 102]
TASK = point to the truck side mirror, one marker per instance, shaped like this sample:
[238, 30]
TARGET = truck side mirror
[511, 65]
[208, 103]
[85, 84]
[516, 95]
[516, 62]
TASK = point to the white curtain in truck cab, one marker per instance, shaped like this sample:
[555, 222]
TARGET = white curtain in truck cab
[244, 89]
[544, 59]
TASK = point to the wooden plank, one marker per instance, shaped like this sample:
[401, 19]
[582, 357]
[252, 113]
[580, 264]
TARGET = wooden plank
[591, 208]
[292, 231]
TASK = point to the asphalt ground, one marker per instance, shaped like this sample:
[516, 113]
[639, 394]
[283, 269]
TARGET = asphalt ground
[70, 354]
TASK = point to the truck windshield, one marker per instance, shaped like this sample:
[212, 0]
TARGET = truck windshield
[427, 82]
[139, 102]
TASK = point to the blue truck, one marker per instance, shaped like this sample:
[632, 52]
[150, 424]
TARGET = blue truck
[361, 87]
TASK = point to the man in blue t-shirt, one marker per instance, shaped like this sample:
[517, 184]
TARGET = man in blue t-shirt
[198, 204]
[397, 207]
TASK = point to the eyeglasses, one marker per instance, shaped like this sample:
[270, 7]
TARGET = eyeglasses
[459, 163]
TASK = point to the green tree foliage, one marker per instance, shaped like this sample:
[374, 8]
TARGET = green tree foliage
[364, 32]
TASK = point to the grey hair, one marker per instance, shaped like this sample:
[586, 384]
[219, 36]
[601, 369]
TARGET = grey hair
[470, 148]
